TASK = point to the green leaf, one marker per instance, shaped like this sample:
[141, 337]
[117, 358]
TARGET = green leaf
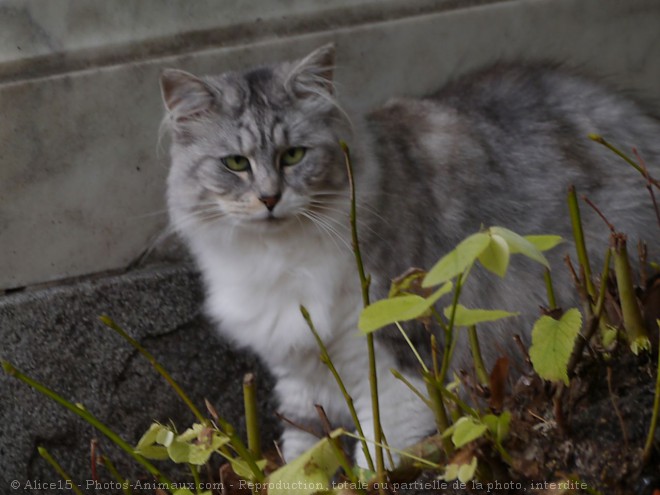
[544, 242]
[458, 260]
[498, 425]
[149, 438]
[242, 469]
[402, 308]
[153, 452]
[467, 429]
[364, 475]
[409, 282]
[608, 336]
[461, 472]
[196, 445]
[165, 436]
[467, 317]
[466, 471]
[309, 473]
[518, 244]
[552, 344]
[641, 343]
[147, 447]
[495, 257]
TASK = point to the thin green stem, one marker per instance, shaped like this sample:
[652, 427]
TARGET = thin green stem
[439, 411]
[196, 479]
[251, 415]
[401, 453]
[460, 403]
[365, 282]
[343, 461]
[412, 347]
[479, 366]
[601, 140]
[604, 276]
[89, 418]
[578, 236]
[412, 388]
[60, 470]
[242, 451]
[125, 486]
[595, 316]
[503, 453]
[107, 321]
[235, 440]
[325, 359]
[434, 357]
[648, 446]
[375, 409]
[449, 334]
[547, 277]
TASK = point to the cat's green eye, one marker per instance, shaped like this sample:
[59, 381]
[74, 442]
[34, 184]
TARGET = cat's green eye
[236, 163]
[292, 156]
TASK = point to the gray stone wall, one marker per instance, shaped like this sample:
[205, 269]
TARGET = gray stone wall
[54, 335]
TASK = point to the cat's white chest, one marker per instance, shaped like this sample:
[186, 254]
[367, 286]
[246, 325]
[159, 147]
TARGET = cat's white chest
[257, 285]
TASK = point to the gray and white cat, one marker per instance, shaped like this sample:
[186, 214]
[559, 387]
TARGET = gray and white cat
[258, 190]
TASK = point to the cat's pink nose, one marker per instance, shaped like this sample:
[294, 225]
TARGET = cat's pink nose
[270, 201]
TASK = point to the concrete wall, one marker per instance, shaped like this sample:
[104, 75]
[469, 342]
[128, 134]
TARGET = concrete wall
[82, 178]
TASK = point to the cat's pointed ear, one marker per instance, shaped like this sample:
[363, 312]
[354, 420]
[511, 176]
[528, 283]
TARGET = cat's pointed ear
[313, 74]
[184, 95]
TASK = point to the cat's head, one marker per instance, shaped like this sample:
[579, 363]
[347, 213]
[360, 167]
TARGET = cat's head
[258, 148]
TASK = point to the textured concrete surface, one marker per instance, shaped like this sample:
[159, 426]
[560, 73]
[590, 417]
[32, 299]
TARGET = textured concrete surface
[81, 185]
[54, 336]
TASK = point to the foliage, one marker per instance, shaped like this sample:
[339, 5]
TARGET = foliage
[418, 295]
[552, 344]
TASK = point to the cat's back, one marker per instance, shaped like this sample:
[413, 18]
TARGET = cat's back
[500, 147]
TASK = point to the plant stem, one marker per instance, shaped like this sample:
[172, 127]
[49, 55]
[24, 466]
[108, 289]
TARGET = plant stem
[375, 409]
[235, 441]
[325, 359]
[251, 415]
[240, 448]
[196, 479]
[107, 321]
[581, 341]
[601, 140]
[648, 446]
[552, 301]
[412, 347]
[412, 388]
[479, 366]
[449, 334]
[636, 332]
[365, 282]
[434, 357]
[60, 470]
[461, 404]
[125, 487]
[89, 418]
[580, 245]
[439, 411]
[404, 453]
